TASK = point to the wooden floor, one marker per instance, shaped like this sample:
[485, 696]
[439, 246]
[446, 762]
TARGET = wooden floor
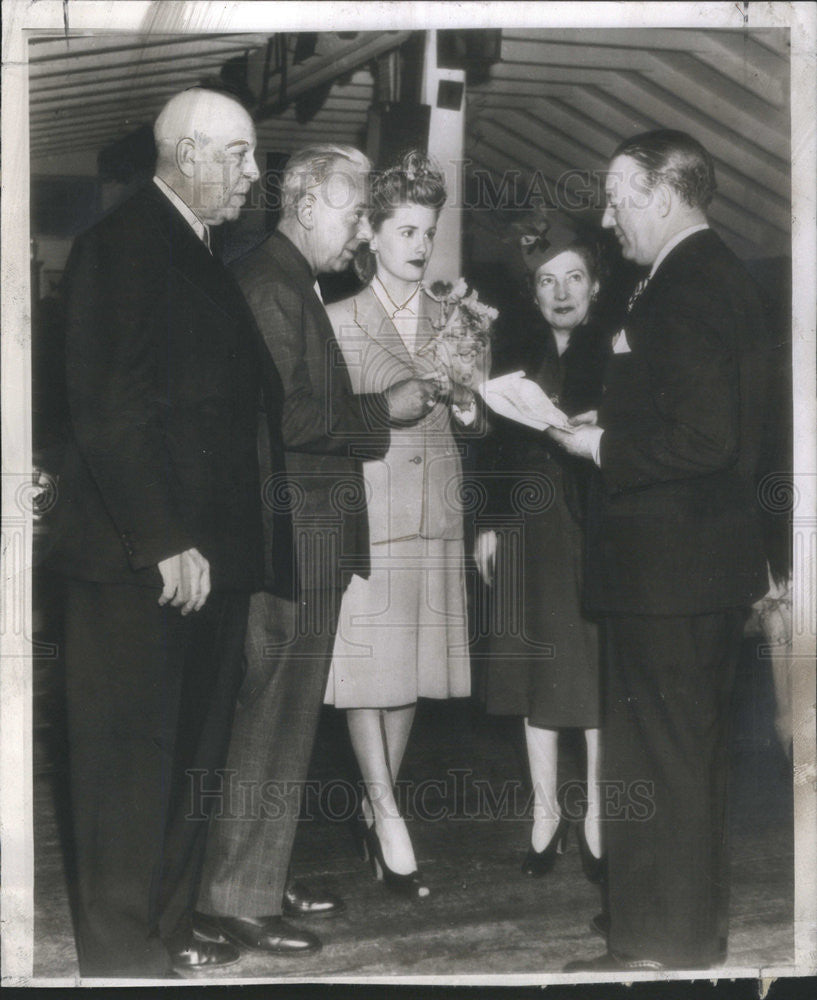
[483, 918]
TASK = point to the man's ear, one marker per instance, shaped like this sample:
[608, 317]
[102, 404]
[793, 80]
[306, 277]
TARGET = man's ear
[663, 194]
[305, 211]
[186, 156]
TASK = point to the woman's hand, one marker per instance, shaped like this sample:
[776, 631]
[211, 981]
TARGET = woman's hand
[485, 555]
[589, 417]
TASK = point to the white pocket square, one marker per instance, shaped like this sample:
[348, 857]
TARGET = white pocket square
[620, 344]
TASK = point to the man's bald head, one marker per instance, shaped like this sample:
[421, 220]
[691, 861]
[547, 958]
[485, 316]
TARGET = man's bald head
[205, 143]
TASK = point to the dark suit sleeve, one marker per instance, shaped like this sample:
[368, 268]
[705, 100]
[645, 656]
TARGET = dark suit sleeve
[694, 389]
[115, 402]
[318, 420]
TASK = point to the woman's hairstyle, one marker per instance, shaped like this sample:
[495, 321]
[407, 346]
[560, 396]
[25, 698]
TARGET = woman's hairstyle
[675, 158]
[415, 178]
[311, 166]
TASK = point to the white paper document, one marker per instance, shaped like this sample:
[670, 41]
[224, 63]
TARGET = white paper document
[518, 398]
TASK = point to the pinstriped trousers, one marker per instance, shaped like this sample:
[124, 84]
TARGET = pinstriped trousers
[287, 652]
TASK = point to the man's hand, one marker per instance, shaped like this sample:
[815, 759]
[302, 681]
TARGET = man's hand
[186, 579]
[588, 417]
[583, 442]
[411, 399]
[485, 555]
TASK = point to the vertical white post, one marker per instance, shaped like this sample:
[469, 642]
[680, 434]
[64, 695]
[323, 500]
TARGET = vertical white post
[446, 143]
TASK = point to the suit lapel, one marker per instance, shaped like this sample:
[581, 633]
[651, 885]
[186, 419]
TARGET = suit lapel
[372, 319]
[289, 259]
[679, 259]
[429, 315]
[186, 252]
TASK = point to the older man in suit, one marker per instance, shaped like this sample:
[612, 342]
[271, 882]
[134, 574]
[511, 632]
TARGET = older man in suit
[246, 892]
[158, 533]
[675, 551]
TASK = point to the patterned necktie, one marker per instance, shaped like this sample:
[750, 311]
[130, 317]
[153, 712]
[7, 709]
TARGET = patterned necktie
[639, 288]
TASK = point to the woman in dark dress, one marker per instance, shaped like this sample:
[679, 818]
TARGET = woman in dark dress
[543, 657]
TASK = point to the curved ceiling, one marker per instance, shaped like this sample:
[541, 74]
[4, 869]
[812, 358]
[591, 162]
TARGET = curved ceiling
[546, 115]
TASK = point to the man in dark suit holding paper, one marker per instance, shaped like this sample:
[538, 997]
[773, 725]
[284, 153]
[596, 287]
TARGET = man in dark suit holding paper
[158, 533]
[675, 551]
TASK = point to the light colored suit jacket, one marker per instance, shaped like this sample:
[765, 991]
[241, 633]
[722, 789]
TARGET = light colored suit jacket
[415, 490]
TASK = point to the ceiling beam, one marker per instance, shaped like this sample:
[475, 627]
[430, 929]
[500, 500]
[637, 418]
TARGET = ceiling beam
[665, 108]
[43, 50]
[769, 130]
[736, 55]
[319, 70]
[130, 76]
[148, 55]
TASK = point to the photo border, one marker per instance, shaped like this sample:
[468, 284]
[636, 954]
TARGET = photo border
[23, 20]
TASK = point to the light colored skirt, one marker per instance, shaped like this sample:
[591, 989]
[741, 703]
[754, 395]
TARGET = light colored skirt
[402, 634]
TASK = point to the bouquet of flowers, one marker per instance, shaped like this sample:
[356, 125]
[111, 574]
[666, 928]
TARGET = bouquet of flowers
[462, 334]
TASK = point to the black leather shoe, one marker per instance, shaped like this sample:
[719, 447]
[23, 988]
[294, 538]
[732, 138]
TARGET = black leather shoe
[611, 963]
[205, 928]
[300, 902]
[272, 935]
[600, 924]
[203, 955]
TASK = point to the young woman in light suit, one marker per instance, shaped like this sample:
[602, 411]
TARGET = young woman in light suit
[402, 633]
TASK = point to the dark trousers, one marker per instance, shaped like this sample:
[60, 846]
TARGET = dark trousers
[665, 767]
[150, 695]
[288, 652]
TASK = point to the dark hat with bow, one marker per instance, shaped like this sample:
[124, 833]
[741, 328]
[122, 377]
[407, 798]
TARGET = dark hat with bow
[544, 234]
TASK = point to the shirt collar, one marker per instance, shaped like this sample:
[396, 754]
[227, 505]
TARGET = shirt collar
[673, 243]
[390, 307]
[185, 211]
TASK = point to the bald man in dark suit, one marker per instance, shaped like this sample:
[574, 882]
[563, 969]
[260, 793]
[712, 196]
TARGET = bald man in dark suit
[158, 534]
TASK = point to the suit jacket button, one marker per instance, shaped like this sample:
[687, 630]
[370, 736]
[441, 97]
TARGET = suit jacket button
[417, 459]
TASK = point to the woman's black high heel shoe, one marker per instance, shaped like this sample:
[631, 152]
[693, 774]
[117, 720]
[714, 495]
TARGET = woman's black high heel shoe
[595, 869]
[411, 886]
[360, 831]
[539, 863]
